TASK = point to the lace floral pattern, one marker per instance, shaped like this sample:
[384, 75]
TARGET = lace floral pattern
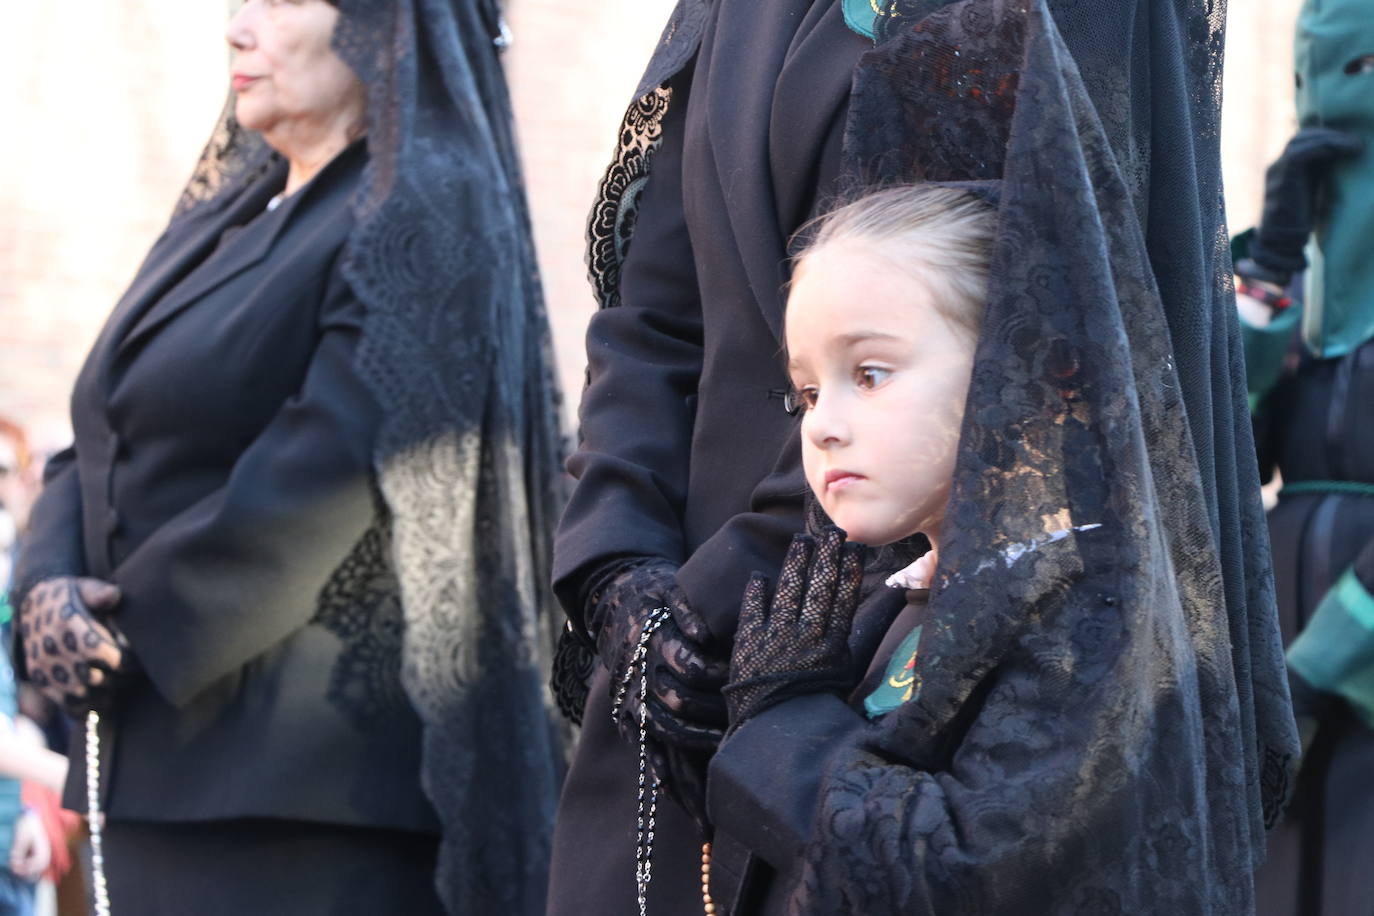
[1085, 739]
[232, 158]
[615, 210]
[361, 605]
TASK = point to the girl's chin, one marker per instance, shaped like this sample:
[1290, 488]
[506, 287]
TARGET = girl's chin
[856, 529]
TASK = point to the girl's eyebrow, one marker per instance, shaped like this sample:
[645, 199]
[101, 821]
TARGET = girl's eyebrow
[849, 340]
[855, 337]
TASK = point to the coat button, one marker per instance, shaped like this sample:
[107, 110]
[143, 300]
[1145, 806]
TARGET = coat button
[112, 521]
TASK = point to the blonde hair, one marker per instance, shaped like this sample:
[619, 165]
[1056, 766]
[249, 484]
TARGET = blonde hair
[942, 236]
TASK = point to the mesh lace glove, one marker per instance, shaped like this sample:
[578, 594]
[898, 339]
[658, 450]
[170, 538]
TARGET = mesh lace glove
[685, 706]
[686, 712]
[72, 657]
[1291, 186]
[799, 642]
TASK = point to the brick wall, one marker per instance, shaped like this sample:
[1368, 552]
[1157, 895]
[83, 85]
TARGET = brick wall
[573, 67]
[110, 102]
[106, 108]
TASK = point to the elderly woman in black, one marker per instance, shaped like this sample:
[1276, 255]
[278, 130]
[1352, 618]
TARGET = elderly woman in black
[293, 563]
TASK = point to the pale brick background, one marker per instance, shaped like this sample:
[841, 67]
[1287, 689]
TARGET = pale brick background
[106, 105]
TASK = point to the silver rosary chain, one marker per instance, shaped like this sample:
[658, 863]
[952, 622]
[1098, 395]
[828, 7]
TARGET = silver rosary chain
[99, 890]
[647, 811]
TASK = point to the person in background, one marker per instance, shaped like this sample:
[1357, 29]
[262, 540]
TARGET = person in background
[25, 848]
[1305, 283]
[20, 483]
[292, 569]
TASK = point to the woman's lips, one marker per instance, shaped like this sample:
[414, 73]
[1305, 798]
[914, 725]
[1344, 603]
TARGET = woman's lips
[241, 81]
[838, 480]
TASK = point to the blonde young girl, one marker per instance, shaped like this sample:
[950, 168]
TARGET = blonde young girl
[1006, 749]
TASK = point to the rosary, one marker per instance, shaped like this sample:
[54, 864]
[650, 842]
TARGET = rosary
[647, 809]
[100, 890]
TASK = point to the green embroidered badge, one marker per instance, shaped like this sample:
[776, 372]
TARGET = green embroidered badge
[901, 682]
[862, 16]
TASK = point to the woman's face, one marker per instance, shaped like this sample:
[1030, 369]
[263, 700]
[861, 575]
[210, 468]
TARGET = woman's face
[288, 80]
[884, 376]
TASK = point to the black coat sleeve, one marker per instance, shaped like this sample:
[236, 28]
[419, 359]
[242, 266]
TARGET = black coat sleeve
[52, 544]
[645, 360]
[1050, 795]
[241, 569]
[644, 363]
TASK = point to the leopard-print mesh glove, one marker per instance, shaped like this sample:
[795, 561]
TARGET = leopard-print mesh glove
[797, 643]
[72, 657]
[685, 708]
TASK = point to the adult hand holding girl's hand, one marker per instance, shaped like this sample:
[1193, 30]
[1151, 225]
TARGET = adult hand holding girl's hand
[685, 709]
[71, 655]
[684, 714]
[797, 643]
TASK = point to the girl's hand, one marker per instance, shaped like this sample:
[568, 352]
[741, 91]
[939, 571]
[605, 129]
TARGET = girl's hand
[71, 656]
[799, 642]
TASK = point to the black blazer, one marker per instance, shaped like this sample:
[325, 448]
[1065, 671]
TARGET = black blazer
[687, 452]
[221, 476]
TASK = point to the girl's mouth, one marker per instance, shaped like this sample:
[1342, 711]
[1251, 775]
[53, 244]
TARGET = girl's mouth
[838, 480]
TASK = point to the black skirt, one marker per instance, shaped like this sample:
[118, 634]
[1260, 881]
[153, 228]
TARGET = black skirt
[268, 868]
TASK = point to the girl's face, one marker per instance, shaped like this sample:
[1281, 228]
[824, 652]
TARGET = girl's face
[883, 375]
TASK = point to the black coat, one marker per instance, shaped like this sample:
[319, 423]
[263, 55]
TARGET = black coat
[221, 477]
[687, 452]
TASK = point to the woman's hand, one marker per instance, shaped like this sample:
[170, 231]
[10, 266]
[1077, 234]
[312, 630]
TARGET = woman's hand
[685, 709]
[71, 656]
[799, 642]
[30, 852]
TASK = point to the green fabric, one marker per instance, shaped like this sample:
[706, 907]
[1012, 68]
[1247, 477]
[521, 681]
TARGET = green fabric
[1331, 36]
[1347, 487]
[1335, 651]
[901, 682]
[10, 805]
[862, 17]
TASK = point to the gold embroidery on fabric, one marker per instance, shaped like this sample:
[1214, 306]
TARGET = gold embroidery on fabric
[906, 678]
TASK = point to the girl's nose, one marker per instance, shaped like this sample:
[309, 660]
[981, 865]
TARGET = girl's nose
[824, 424]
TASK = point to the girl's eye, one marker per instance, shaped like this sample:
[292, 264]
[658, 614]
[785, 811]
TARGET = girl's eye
[807, 397]
[870, 377]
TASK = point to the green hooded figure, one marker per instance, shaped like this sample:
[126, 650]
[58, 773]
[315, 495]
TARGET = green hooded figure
[1334, 57]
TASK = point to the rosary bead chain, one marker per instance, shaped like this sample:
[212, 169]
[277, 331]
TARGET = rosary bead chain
[647, 811]
[100, 890]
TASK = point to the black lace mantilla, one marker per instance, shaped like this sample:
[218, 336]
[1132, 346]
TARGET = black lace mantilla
[1101, 727]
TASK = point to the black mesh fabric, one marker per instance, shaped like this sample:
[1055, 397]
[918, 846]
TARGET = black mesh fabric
[796, 640]
[456, 349]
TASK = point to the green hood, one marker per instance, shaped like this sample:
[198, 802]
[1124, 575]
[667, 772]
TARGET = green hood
[1335, 76]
